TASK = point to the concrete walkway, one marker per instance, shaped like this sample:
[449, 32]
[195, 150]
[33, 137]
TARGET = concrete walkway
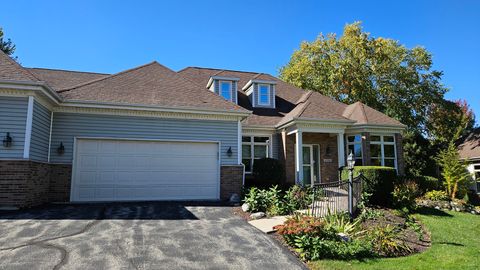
[266, 224]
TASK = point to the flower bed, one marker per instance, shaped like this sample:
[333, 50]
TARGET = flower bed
[375, 233]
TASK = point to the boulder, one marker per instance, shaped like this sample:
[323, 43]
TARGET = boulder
[245, 207]
[257, 215]
[235, 198]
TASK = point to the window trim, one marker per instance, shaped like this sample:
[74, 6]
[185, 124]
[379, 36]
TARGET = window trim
[252, 144]
[354, 143]
[382, 143]
[259, 94]
[220, 82]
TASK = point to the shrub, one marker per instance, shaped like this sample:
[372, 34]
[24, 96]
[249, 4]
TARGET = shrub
[340, 223]
[386, 242]
[313, 240]
[404, 195]
[437, 195]
[298, 197]
[257, 199]
[379, 182]
[268, 172]
[427, 183]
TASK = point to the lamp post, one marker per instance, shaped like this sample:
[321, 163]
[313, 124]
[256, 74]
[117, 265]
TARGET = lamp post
[350, 165]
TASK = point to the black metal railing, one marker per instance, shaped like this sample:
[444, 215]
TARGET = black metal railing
[332, 197]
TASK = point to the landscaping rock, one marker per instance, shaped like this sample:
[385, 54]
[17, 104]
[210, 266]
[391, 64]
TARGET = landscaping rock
[257, 215]
[235, 198]
[245, 207]
[344, 237]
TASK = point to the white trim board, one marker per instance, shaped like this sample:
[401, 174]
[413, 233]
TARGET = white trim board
[28, 128]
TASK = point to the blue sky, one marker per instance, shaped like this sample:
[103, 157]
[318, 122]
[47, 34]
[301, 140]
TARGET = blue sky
[110, 36]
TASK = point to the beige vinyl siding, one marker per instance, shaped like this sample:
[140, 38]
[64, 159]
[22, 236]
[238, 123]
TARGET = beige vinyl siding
[13, 119]
[66, 126]
[40, 133]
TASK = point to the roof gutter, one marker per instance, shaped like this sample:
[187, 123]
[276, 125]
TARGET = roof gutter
[316, 121]
[37, 86]
[140, 107]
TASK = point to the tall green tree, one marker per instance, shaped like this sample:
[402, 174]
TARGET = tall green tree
[448, 121]
[6, 45]
[379, 72]
[454, 171]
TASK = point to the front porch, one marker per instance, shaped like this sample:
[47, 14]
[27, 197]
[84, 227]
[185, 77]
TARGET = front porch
[320, 157]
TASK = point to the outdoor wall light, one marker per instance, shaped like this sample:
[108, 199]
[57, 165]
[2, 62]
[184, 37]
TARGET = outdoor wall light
[229, 152]
[61, 149]
[328, 150]
[7, 141]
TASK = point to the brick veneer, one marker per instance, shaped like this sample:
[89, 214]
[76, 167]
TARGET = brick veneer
[328, 161]
[23, 183]
[400, 158]
[231, 180]
[60, 179]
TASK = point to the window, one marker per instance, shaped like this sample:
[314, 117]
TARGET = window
[226, 90]
[263, 94]
[354, 144]
[254, 147]
[382, 151]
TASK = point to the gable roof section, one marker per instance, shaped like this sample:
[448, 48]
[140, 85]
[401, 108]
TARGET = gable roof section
[61, 79]
[12, 71]
[469, 147]
[150, 84]
[365, 115]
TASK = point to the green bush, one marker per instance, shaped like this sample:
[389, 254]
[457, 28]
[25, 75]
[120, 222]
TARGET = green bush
[379, 182]
[268, 172]
[404, 195]
[340, 223]
[425, 183]
[437, 195]
[386, 242]
[275, 202]
[315, 239]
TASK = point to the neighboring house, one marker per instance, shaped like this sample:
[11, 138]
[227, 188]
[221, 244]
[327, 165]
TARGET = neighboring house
[150, 133]
[469, 150]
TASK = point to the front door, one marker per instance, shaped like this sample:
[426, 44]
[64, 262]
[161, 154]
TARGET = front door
[311, 167]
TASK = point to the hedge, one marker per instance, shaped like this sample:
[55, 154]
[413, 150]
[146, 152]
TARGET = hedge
[379, 182]
[268, 172]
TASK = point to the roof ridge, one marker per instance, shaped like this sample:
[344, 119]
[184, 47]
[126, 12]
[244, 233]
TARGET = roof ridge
[67, 70]
[15, 63]
[363, 110]
[222, 69]
[304, 97]
[107, 77]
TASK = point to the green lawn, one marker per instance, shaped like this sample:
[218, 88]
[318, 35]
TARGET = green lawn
[455, 245]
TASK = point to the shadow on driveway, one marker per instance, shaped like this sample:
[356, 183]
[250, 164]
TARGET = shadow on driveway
[110, 211]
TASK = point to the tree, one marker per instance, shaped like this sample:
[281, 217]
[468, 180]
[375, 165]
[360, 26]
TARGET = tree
[379, 72]
[454, 171]
[6, 45]
[448, 121]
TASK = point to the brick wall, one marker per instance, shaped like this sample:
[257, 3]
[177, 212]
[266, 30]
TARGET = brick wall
[328, 161]
[231, 181]
[23, 183]
[60, 179]
[400, 159]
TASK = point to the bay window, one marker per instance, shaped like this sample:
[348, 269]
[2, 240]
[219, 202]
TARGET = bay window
[382, 151]
[254, 147]
[354, 144]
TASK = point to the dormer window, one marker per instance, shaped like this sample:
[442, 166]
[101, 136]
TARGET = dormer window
[225, 87]
[226, 90]
[264, 94]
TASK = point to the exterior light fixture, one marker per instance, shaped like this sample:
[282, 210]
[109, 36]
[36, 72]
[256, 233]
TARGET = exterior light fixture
[61, 149]
[350, 161]
[229, 152]
[7, 141]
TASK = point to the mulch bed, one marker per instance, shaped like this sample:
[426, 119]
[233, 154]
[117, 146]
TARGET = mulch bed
[237, 210]
[417, 243]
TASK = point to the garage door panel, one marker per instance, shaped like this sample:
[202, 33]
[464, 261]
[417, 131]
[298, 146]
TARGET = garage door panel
[109, 170]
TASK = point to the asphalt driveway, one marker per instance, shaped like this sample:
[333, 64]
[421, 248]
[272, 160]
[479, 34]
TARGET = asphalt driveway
[151, 235]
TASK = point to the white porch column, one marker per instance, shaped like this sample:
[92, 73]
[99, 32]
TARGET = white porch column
[298, 158]
[341, 149]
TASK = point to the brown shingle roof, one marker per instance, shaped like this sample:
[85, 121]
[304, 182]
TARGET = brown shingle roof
[469, 147]
[365, 115]
[150, 84]
[11, 70]
[60, 79]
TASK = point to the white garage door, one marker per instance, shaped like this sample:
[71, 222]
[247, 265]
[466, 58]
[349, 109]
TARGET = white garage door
[122, 170]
